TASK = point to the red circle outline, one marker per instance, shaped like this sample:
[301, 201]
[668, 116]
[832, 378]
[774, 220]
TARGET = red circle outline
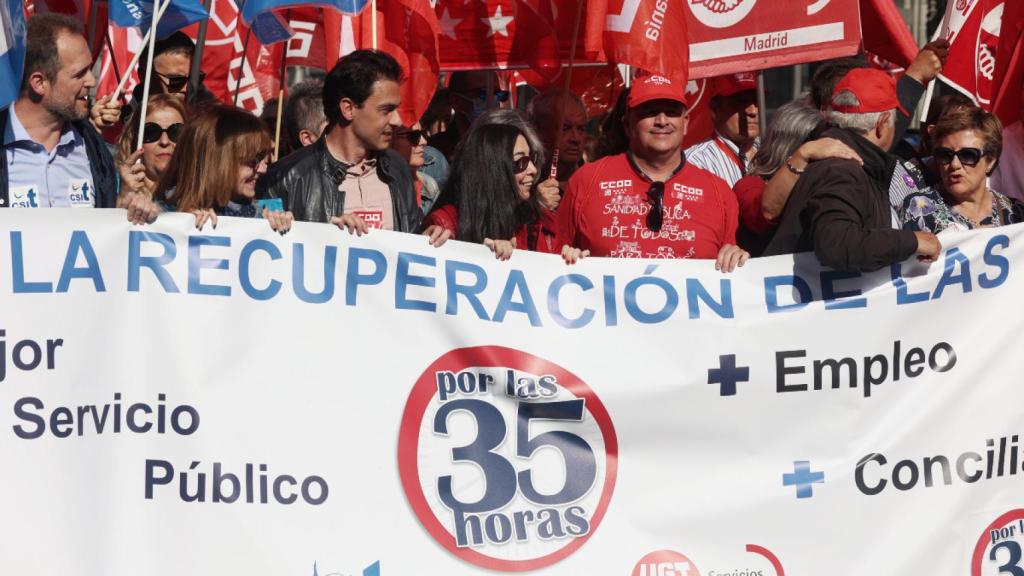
[984, 541]
[408, 447]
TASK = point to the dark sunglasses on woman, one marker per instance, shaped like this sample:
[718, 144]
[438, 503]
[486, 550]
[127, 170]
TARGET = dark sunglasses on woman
[522, 163]
[413, 136]
[967, 156]
[151, 132]
[176, 83]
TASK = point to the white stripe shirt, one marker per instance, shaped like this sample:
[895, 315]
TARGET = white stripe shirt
[710, 156]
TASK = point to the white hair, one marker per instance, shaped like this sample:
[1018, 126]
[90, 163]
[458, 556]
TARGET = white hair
[860, 123]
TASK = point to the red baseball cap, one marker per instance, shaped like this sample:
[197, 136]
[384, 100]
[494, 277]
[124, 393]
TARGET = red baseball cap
[655, 87]
[874, 89]
[734, 84]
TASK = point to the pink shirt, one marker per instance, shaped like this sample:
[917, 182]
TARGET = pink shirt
[368, 196]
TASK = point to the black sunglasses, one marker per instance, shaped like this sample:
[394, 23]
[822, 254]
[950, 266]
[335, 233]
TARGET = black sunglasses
[520, 164]
[259, 159]
[481, 94]
[178, 83]
[413, 136]
[967, 156]
[656, 196]
[151, 132]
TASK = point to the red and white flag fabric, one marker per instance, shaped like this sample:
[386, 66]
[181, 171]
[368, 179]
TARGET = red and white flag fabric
[646, 34]
[408, 30]
[1010, 64]
[972, 28]
[80, 10]
[885, 32]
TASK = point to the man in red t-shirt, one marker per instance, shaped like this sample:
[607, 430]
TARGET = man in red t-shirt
[649, 202]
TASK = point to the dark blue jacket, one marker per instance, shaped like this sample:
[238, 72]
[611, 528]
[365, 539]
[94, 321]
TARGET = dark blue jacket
[101, 163]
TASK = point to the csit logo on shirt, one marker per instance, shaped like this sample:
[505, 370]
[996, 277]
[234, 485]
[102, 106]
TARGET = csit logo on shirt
[24, 197]
[80, 193]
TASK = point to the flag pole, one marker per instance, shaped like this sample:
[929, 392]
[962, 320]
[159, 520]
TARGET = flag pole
[566, 89]
[197, 56]
[149, 69]
[158, 11]
[373, 23]
[241, 64]
[280, 92]
[113, 59]
[942, 31]
[762, 107]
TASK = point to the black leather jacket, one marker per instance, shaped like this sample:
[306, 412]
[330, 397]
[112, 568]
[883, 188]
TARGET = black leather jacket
[307, 182]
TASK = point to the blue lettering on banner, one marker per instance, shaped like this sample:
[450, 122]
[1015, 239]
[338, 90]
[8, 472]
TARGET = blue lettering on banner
[196, 264]
[404, 279]
[299, 274]
[20, 286]
[156, 264]
[354, 278]
[80, 245]
[772, 285]
[244, 276]
[554, 304]
[471, 292]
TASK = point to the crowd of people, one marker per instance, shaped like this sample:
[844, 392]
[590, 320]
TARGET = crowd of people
[833, 172]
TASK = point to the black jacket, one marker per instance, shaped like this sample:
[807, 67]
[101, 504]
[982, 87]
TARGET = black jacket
[841, 211]
[101, 164]
[307, 183]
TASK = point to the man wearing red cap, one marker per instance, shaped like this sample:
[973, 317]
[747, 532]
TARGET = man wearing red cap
[649, 202]
[841, 210]
[735, 115]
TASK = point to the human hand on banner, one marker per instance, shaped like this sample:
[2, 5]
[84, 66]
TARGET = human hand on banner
[731, 257]
[502, 248]
[105, 112]
[573, 255]
[929, 61]
[133, 174]
[354, 223]
[550, 194]
[141, 208]
[204, 216]
[279, 221]
[437, 235]
[928, 246]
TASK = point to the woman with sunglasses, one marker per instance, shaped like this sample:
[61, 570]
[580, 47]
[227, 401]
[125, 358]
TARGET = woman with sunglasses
[410, 143]
[489, 197]
[141, 169]
[218, 157]
[966, 144]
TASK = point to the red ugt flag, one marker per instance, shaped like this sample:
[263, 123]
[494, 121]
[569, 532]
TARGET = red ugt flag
[647, 34]
[1010, 64]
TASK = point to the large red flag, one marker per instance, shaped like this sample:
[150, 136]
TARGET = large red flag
[885, 32]
[535, 37]
[81, 10]
[972, 28]
[1010, 64]
[407, 30]
[646, 34]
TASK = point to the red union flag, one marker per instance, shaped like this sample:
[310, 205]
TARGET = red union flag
[972, 28]
[642, 33]
[729, 36]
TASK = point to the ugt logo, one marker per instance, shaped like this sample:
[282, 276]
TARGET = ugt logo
[508, 460]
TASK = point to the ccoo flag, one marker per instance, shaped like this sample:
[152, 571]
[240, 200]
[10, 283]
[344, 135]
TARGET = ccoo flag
[646, 34]
[139, 13]
[12, 50]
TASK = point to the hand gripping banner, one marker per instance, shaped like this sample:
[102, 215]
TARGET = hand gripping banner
[176, 401]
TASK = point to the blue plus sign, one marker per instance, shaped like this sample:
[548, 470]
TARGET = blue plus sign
[803, 479]
[728, 375]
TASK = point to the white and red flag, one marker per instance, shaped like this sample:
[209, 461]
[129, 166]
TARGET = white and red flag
[646, 34]
[972, 28]
[1010, 65]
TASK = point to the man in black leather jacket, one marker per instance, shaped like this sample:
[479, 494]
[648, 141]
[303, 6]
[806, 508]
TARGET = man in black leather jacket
[350, 177]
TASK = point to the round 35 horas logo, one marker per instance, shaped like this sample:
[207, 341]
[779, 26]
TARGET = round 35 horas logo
[1000, 548]
[507, 459]
[720, 13]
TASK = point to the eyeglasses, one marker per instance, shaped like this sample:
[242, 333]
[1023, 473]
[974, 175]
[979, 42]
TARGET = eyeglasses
[967, 156]
[656, 196]
[481, 94]
[413, 136]
[152, 132]
[519, 165]
[177, 83]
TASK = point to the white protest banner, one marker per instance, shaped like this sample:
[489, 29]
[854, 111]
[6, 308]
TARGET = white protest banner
[175, 401]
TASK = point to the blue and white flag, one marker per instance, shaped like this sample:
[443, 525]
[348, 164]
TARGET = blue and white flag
[139, 13]
[12, 50]
[253, 8]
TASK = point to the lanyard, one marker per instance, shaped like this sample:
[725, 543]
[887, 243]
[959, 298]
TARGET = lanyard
[729, 153]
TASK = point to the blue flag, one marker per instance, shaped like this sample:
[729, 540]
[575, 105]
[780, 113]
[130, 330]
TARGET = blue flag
[12, 50]
[139, 13]
[270, 28]
[253, 8]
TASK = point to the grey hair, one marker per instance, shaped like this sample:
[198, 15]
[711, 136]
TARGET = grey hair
[860, 123]
[515, 118]
[790, 126]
